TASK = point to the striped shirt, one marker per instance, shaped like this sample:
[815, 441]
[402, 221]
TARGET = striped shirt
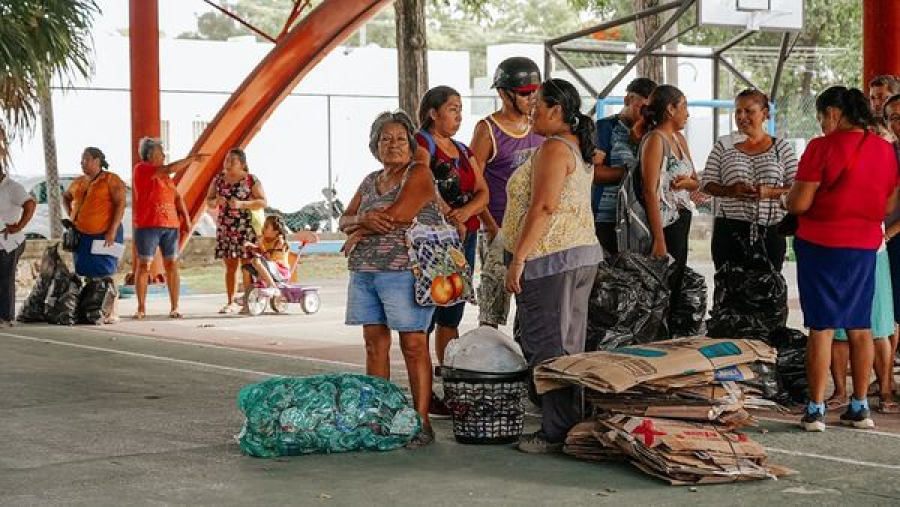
[727, 165]
[385, 252]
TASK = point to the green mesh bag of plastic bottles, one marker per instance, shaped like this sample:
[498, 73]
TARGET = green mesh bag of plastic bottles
[290, 416]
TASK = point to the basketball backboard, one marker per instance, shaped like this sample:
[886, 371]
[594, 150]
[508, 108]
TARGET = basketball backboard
[765, 15]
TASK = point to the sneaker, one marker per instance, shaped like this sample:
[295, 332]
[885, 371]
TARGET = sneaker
[437, 408]
[537, 443]
[425, 437]
[813, 421]
[860, 419]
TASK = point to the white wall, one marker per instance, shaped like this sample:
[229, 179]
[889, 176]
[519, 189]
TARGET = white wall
[289, 154]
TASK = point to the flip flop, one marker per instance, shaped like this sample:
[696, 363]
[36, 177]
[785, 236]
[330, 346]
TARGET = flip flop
[175, 314]
[888, 407]
[138, 316]
[111, 320]
[837, 403]
[229, 309]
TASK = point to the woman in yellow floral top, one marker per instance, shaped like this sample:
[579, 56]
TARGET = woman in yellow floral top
[551, 249]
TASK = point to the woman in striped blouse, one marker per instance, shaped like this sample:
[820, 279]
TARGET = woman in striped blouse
[747, 174]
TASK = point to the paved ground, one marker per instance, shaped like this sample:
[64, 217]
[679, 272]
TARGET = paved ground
[143, 413]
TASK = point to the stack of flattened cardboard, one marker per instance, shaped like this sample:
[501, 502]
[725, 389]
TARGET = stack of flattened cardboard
[685, 453]
[688, 388]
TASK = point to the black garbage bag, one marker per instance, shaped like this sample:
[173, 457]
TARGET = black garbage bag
[34, 309]
[750, 298]
[96, 300]
[790, 368]
[62, 298]
[689, 309]
[629, 302]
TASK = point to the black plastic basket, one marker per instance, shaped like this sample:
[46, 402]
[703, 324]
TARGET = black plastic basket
[487, 408]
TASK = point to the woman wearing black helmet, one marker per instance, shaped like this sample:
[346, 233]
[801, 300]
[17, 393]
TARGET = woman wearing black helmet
[502, 142]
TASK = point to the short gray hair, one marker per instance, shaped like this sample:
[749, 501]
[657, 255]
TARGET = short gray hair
[146, 146]
[398, 116]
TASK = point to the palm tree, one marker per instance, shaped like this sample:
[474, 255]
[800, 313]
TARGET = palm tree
[40, 40]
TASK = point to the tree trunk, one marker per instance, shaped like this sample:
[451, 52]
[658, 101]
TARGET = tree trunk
[54, 197]
[651, 66]
[412, 54]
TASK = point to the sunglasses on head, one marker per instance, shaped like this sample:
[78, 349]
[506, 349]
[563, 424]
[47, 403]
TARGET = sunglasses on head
[524, 93]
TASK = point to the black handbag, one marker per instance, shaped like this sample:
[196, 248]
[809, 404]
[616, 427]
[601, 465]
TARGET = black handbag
[788, 225]
[70, 236]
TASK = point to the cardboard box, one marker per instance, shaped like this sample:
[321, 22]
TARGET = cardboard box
[620, 369]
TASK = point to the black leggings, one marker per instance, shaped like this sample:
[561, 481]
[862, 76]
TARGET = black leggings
[676, 235]
[731, 239]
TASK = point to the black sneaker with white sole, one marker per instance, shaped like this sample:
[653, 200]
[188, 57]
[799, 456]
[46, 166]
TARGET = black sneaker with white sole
[813, 421]
[860, 419]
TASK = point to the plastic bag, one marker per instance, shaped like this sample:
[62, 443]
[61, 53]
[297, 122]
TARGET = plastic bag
[34, 309]
[790, 368]
[629, 302]
[485, 350]
[750, 298]
[96, 300]
[690, 308]
[290, 416]
[62, 298]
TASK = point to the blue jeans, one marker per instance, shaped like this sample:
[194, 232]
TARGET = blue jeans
[386, 298]
[148, 239]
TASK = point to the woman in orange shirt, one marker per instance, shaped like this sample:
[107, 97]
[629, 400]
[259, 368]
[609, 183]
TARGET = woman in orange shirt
[96, 203]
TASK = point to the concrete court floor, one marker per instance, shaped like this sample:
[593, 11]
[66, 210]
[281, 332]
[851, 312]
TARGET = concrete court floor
[143, 413]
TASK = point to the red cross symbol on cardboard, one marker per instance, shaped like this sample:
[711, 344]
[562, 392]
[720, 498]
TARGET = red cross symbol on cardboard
[646, 429]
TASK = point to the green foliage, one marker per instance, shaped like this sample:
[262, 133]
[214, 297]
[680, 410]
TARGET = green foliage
[39, 39]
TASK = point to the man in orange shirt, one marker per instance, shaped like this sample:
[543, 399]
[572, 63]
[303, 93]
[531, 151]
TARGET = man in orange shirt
[158, 211]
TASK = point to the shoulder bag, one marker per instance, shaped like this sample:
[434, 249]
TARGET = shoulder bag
[790, 223]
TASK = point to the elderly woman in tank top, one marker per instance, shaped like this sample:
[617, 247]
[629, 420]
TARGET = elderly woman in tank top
[381, 295]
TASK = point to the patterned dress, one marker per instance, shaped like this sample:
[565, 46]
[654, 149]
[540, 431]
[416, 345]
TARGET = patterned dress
[234, 226]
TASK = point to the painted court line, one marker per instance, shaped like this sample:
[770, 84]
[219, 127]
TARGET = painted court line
[833, 458]
[143, 356]
[167, 339]
[838, 428]
[268, 374]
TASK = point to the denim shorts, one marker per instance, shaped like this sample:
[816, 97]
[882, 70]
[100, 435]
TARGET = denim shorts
[387, 298]
[148, 239]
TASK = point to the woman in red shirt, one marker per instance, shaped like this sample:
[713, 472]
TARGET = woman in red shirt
[462, 188]
[845, 185]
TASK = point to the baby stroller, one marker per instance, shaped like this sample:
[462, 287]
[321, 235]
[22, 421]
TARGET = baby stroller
[287, 292]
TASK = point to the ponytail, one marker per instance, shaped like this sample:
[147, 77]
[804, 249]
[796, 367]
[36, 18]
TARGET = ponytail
[583, 128]
[851, 102]
[97, 153]
[559, 92]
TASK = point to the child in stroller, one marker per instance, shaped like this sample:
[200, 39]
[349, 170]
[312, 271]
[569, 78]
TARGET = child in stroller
[272, 268]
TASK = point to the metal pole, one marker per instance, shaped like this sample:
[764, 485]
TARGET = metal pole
[548, 62]
[779, 67]
[715, 92]
[330, 195]
[740, 75]
[626, 51]
[577, 75]
[648, 46]
[618, 22]
[734, 41]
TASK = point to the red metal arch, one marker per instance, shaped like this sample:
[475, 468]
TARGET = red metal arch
[293, 56]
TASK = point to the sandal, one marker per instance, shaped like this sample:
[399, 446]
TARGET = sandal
[837, 403]
[112, 319]
[175, 314]
[138, 316]
[888, 407]
[229, 309]
[425, 437]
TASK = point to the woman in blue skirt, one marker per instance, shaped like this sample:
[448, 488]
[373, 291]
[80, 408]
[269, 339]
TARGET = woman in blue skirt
[845, 185]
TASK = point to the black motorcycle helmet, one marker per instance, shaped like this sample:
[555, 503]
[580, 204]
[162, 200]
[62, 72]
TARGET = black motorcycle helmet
[517, 73]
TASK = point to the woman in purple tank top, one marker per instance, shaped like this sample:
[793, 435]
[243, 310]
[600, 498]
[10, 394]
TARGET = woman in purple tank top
[502, 142]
